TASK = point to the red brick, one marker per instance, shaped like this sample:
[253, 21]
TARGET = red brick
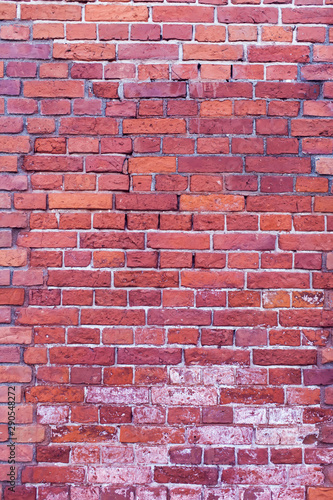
[148, 51]
[87, 107]
[188, 14]
[53, 88]
[301, 16]
[81, 32]
[82, 70]
[242, 33]
[55, 107]
[247, 15]
[116, 13]
[310, 34]
[280, 53]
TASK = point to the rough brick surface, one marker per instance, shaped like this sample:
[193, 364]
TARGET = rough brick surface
[166, 257]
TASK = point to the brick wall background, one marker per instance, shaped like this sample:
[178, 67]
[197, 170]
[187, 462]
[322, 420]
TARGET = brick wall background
[166, 249]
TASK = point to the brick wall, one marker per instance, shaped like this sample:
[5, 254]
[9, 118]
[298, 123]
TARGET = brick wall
[166, 249]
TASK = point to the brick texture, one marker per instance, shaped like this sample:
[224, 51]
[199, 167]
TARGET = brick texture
[166, 305]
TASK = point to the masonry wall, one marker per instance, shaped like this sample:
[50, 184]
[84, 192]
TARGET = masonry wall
[166, 249]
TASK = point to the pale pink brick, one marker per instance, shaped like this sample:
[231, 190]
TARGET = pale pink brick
[218, 435]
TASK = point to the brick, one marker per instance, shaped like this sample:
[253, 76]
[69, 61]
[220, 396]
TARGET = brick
[15, 32]
[84, 51]
[214, 203]
[208, 164]
[242, 33]
[244, 242]
[146, 201]
[154, 126]
[86, 107]
[59, 12]
[247, 15]
[53, 70]
[285, 90]
[177, 32]
[148, 51]
[8, 11]
[8, 164]
[279, 54]
[28, 51]
[210, 33]
[324, 166]
[151, 165]
[327, 89]
[199, 436]
[167, 228]
[212, 52]
[185, 14]
[310, 34]
[82, 70]
[117, 13]
[221, 125]
[173, 89]
[10, 87]
[44, 31]
[302, 16]
[184, 71]
[98, 201]
[79, 32]
[277, 165]
[113, 31]
[19, 144]
[55, 107]
[198, 475]
[176, 241]
[320, 493]
[214, 72]
[53, 89]
[88, 126]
